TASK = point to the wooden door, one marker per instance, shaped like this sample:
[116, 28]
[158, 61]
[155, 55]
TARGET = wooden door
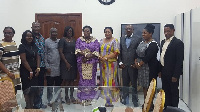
[60, 21]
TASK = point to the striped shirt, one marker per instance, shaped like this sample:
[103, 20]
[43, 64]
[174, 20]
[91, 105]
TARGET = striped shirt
[9, 56]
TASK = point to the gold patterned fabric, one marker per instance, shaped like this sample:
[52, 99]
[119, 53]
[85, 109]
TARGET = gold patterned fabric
[10, 58]
[87, 70]
[149, 96]
[86, 51]
[92, 39]
[7, 95]
[77, 51]
[160, 100]
[96, 53]
[33, 110]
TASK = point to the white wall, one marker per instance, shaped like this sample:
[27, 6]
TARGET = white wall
[191, 4]
[21, 13]
[186, 63]
[195, 61]
[191, 77]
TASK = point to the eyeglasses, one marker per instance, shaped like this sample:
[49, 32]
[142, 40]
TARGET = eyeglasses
[8, 33]
[86, 31]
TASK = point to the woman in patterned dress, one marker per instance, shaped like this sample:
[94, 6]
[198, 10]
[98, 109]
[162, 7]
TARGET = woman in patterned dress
[87, 51]
[109, 50]
[146, 62]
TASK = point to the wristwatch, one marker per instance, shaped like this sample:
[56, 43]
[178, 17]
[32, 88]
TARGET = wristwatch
[120, 63]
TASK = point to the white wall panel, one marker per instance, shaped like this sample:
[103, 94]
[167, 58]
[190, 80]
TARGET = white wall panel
[186, 41]
[195, 62]
[179, 34]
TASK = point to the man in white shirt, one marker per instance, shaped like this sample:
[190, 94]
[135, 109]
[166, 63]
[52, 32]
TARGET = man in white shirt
[171, 59]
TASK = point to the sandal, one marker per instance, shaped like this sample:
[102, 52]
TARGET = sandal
[61, 107]
[78, 101]
[109, 105]
[86, 103]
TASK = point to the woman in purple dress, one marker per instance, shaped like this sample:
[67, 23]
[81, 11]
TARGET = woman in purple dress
[87, 51]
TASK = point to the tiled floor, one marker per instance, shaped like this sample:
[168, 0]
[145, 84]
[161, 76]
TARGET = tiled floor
[95, 103]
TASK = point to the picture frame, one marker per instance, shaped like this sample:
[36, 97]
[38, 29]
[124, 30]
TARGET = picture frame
[138, 28]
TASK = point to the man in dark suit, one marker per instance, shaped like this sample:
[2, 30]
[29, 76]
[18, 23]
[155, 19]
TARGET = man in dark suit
[128, 46]
[171, 59]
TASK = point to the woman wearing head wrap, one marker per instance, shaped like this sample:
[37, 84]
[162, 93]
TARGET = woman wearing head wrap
[87, 52]
[146, 60]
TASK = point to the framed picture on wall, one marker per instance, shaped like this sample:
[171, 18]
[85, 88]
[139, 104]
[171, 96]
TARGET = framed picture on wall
[138, 28]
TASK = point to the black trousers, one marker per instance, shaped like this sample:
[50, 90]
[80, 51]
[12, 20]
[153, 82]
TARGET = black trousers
[38, 98]
[52, 81]
[171, 90]
[41, 76]
[130, 74]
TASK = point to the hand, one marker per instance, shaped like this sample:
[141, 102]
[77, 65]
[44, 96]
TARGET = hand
[37, 71]
[102, 59]
[48, 71]
[31, 75]
[11, 75]
[137, 66]
[159, 74]
[122, 66]
[174, 79]
[88, 56]
[68, 66]
[133, 65]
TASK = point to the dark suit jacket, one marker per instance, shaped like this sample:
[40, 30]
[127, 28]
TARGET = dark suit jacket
[173, 58]
[127, 55]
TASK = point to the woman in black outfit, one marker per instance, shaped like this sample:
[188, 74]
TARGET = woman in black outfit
[68, 64]
[146, 61]
[29, 68]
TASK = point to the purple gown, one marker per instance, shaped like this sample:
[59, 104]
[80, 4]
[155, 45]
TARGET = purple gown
[87, 76]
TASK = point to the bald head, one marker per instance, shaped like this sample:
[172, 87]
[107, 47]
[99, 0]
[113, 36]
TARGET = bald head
[35, 27]
[53, 33]
[129, 30]
[129, 26]
[53, 29]
[35, 23]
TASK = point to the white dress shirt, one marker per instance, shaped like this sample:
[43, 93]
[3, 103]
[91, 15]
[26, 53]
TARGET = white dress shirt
[164, 48]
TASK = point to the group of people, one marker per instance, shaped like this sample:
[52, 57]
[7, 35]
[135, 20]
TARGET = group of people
[59, 60]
